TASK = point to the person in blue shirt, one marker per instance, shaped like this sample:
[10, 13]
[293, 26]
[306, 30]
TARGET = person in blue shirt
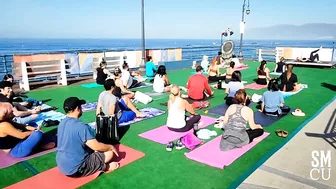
[272, 101]
[151, 69]
[79, 154]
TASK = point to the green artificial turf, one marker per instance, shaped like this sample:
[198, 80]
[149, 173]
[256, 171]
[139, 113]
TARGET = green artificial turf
[161, 169]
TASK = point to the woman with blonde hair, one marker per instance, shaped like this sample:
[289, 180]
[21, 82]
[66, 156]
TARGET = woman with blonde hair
[20, 140]
[234, 123]
[214, 73]
[177, 119]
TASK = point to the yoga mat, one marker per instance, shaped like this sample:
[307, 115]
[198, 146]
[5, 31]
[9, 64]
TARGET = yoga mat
[275, 73]
[150, 112]
[210, 153]
[152, 94]
[141, 85]
[221, 109]
[53, 179]
[89, 106]
[266, 120]
[241, 68]
[255, 86]
[7, 160]
[91, 85]
[288, 94]
[53, 115]
[163, 135]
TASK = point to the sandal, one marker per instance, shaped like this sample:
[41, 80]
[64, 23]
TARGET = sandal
[279, 133]
[284, 134]
[298, 112]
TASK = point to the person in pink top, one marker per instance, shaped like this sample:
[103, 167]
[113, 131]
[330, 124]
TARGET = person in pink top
[198, 86]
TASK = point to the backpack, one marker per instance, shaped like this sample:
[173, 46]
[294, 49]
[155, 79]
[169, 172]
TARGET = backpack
[200, 104]
[107, 129]
[190, 141]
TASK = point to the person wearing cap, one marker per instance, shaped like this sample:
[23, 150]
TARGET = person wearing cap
[109, 104]
[198, 85]
[22, 114]
[20, 140]
[79, 154]
[127, 79]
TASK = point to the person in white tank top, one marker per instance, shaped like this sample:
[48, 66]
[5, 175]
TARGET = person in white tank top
[177, 108]
[161, 83]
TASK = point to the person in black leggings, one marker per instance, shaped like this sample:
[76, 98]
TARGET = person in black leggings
[313, 56]
[191, 123]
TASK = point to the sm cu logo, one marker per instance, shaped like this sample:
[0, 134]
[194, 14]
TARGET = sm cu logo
[321, 165]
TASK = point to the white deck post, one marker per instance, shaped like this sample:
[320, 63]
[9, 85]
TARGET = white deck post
[259, 55]
[63, 79]
[24, 83]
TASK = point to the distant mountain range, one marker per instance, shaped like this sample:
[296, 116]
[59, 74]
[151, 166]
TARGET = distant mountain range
[313, 31]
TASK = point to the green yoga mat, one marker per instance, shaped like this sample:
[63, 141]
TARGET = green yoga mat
[91, 85]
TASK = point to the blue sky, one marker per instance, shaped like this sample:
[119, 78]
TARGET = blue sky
[164, 19]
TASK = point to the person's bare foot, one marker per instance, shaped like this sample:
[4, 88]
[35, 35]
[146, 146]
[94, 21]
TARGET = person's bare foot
[48, 146]
[140, 115]
[112, 166]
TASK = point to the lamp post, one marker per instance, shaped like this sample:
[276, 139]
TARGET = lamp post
[143, 32]
[242, 26]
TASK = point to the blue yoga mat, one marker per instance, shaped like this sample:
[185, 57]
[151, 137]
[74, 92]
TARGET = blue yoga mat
[49, 115]
[89, 106]
[91, 85]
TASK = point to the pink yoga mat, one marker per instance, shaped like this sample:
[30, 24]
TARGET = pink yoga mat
[7, 160]
[53, 179]
[255, 86]
[163, 135]
[210, 153]
[241, 68]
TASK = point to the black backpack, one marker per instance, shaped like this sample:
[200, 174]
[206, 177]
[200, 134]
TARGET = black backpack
[107, 128]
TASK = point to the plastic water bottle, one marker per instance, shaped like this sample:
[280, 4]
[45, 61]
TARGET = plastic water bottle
[219, 84]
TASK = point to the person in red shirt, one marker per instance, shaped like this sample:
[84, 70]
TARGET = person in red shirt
[198, 86]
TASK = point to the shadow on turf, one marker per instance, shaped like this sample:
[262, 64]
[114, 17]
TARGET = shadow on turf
[329, 86]
[329, 134]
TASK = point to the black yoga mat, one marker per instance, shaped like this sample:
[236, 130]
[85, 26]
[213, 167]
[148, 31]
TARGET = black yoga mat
[221, 109]
[266, 120]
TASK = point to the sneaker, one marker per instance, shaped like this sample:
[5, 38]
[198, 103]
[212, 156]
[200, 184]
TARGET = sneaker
[49, 123]
[179, 145]
[170, 146]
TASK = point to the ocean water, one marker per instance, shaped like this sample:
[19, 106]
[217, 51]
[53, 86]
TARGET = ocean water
[192, 48]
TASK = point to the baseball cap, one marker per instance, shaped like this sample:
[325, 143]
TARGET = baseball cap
[4, 84]
[199, 68]
[72, 103]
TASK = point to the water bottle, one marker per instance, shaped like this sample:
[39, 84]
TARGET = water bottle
[219, 84]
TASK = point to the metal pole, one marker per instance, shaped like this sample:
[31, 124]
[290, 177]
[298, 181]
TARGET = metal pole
[241, 34]
[143, 32]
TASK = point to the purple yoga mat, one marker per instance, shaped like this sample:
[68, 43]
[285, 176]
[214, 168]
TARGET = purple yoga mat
[7, 160]
[163, 135]
[210, 153]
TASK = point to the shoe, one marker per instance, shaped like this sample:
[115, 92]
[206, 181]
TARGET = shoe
[170, 146]
[49, 123]
[179, 145]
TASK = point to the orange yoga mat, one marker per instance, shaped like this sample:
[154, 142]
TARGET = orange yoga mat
[53, 179]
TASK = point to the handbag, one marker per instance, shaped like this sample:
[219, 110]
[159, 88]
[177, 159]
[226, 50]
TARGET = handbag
[107, 128]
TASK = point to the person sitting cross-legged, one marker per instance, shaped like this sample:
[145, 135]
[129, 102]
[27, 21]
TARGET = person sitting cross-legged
[272, 101]
[79, 154]
[108, 104]
[198, 86]
[20, 140]
[234, 123]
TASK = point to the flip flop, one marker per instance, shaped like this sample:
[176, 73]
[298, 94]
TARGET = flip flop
[298, 112]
